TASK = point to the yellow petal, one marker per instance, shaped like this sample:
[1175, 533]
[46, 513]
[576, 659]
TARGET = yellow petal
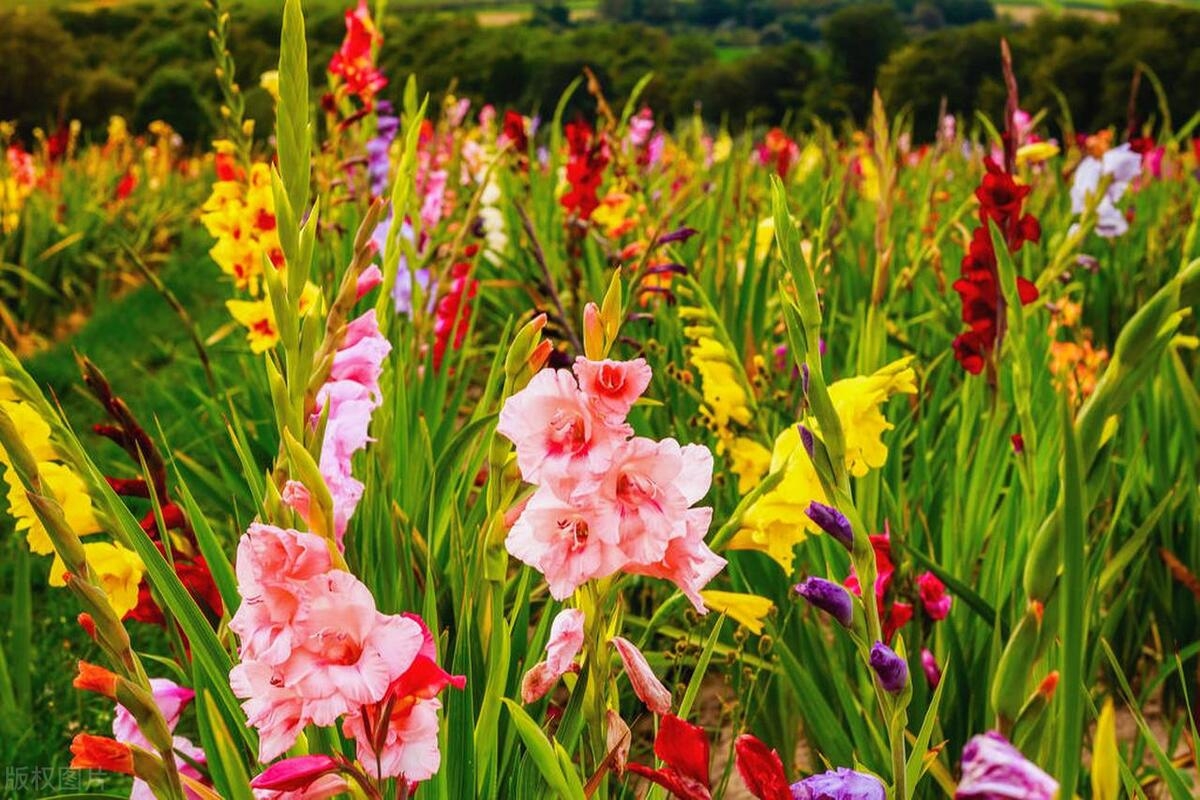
[119, 571]
[748, 609]
[1105, 756]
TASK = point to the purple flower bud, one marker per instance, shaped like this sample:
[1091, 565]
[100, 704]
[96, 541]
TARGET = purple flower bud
[804, 378]
[992, 769]
[891, 669]
[678, 235]
[806, 439]
[839, 784]
[821, 346]
[829, 597]
[832, 521]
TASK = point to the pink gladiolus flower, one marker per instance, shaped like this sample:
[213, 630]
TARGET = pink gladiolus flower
[368, 280]
[688, 563]
[569, 543]
[652, 484]
[646, 685]
[273, 566]
[612, 386]
[323, 788]
[554, 429]
[605, 502]
[404, 722]
[275, 711]
[566, 640]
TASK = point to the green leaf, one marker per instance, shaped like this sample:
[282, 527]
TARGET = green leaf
[1073, 618]
[543, 752]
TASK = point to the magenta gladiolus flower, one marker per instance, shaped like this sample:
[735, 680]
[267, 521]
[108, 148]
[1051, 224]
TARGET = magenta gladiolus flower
[929, 665]
[296, 774]
[992, 769]
[171, 699]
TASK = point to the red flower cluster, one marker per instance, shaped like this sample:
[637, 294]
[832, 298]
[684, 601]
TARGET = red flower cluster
[588, 156]
[354, 62]
[1001, 199]
[514, 131]
[453, 314]
[895, 613]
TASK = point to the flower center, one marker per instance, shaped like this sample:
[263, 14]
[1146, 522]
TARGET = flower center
[577, 529]
[567, 430]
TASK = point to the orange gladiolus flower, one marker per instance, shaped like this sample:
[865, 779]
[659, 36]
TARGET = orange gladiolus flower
[100, 752]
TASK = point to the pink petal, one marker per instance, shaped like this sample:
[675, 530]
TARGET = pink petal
[646, 684]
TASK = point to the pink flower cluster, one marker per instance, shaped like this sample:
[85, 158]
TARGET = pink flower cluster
[605, 502]
[314, 649]
[351, 395]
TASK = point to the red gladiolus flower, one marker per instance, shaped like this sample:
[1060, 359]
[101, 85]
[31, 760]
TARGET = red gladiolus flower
[1001, 199]
[453, 315]
[514, 131]
[588, 155]
[761, 769]
[354, 62]
[683, 749]
[126, 185]
[100, 752]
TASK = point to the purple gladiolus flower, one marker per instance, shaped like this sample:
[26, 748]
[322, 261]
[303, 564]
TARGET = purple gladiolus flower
[829, 597]
[832, 521]
[891, 669]
[992, 769]
[839, 784]
[378, 161]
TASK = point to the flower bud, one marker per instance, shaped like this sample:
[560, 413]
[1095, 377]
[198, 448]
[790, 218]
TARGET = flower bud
[593, 332]
[832, 521]
[828, 597]
[889, 668]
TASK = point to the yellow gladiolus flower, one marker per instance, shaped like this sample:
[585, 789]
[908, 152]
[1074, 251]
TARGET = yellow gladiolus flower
[269, 80]
[857, 401]
[1036, 153]
[749, 460]
[35, 432]
[67, 488]
[258, 317]
[747, 609]
[118, 569]
[776, 523]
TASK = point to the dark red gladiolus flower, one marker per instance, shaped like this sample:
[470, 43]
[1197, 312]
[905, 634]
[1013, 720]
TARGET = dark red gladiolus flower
[1001, 200]
[683, 749]
[761, 769]
[126, 185]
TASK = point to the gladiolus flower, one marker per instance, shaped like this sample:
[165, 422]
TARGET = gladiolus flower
[119, 571]
[889, 668]
[745, 609]
[992, 769]
[760, 769]
[839, 784]
[1123, 164]
[683, 749]
[612, 386]
[354, 61]
[646, 685]
[934, 598]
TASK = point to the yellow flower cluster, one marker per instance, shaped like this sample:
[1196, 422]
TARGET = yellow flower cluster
[118, 569]
[728, 402]
[240, 214]
[776, 523]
